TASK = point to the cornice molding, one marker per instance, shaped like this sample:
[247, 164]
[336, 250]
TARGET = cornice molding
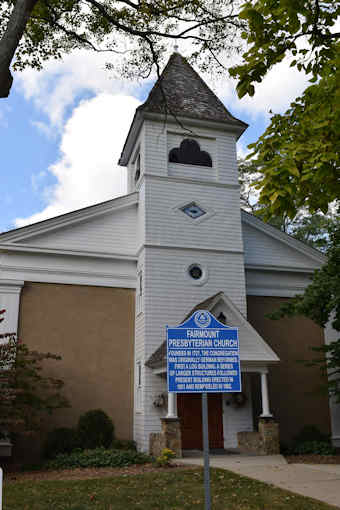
[26, 248]
[284, 269]
[187, 248]
[186, 180]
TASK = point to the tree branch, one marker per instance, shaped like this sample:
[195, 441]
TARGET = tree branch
[10, 40]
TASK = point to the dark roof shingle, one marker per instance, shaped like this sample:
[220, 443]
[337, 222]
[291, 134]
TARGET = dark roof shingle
[181, 92]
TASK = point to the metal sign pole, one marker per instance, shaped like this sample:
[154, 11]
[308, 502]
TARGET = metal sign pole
[206, 451]
[199, 341]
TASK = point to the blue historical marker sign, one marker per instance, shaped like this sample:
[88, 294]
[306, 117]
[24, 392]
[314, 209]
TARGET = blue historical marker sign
[203, 356]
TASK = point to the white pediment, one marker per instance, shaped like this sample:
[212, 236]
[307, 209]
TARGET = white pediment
[108, 228]
[265, 245]
[252, 346]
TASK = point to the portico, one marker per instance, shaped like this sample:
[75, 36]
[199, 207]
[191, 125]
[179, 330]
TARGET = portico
[232, 413]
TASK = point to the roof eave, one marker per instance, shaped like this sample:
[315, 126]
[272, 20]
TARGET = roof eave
[131, 138]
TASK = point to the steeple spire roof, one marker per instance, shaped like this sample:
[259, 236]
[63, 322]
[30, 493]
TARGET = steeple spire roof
[181, 92]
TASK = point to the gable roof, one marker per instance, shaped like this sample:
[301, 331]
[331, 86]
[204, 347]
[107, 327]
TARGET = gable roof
[180, 92]
[252, 346]
[71, 231]
[315, 257]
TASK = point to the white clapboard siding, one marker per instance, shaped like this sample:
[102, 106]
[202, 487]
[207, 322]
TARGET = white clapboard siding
[262, 249]
[113, 232]
[237, 419]
[166, 224]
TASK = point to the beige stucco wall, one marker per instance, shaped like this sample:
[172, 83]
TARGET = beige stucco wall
[92, 328]
[294, 399]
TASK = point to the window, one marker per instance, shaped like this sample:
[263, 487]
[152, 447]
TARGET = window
[189, 153]
[193, 210]
[139, 297]
[195, 272]
[139, 374]
[139, 386]
[137, 168]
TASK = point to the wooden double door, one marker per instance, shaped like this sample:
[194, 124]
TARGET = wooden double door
[189, 407]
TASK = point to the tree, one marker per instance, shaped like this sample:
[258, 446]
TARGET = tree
[312, 229]
[138, 31]
[321, 303]
[26, 393]
[299, 152]
[305, 31]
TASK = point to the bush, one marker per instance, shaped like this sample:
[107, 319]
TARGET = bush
[314, 447]
[95, 429]
[98, 457]
[60, 440]
[165, 458]
[310, 433]
[123, 444]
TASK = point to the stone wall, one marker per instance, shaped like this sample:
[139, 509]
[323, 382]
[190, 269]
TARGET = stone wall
[263, 442]
[170, 437]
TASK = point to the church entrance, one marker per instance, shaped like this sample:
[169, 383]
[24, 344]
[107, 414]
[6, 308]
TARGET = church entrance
[189, 408]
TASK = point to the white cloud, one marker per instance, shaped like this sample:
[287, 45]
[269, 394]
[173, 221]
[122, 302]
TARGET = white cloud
[278, 89]
[93, 136]
[57, 86]
[87, 171]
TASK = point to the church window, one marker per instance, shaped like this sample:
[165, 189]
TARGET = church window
[139, 300]
[195, 271]
[193, 210]
[189, 153]
[138, 386]
[137, 169]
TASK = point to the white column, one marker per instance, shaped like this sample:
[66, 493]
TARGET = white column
[172, 411]
[10, 301]
[265, 398]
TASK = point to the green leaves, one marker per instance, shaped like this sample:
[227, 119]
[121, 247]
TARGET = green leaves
[299, 153]
[287, 27]
[321, 303]
[25, 393]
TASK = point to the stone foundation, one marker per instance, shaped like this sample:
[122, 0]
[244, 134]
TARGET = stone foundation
[263, 442]
[170, 437]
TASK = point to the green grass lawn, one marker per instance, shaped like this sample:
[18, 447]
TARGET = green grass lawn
[168, 490]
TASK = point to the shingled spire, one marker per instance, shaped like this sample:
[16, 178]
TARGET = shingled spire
[180, 91]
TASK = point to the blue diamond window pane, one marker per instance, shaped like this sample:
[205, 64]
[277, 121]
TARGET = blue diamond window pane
[193, 210]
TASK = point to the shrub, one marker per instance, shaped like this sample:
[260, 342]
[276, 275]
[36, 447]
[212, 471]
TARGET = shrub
[165, 458]
[314, 447]
[60, 440]
[310, 433]
[26, 392]
[98, 457]
[95, 429]
[123, 444]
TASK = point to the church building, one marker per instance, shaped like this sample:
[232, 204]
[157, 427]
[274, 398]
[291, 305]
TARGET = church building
[99, 285]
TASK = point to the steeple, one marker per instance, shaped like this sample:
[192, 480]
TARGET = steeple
[182, 94]
[180, 91]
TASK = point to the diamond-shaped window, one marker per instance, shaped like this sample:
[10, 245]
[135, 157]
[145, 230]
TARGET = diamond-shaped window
[193, 210]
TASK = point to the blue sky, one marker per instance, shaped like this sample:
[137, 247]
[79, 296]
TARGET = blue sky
[62, 129]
